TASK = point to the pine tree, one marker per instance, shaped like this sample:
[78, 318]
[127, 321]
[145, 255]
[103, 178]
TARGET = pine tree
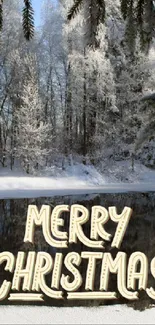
[139, 14]
[28, 18]
[32, 134]
[1, 14]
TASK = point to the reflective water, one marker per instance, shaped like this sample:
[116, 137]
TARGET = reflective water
[140, 235]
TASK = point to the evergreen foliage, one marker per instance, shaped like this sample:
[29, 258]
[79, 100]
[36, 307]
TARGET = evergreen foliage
[74, 9]
[1, 14]
[28, 19]
[138, 14]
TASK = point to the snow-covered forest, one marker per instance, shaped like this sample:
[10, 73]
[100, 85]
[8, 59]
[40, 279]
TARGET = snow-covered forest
[75, 92]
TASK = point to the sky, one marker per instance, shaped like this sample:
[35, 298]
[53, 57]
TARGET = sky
[37, 9]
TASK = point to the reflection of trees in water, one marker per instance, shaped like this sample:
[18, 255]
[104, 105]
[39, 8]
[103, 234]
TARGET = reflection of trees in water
[7, 224]
[140, 235]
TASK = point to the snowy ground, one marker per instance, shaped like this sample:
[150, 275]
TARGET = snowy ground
[101, 315]
[77, 179]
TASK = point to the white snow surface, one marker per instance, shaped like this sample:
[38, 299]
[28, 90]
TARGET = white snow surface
[77, 179]
[116, 314]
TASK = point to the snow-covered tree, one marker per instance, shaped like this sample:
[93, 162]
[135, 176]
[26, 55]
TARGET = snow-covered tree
[139, 16]
[52, 68]
[82, 93]
[92, 82]
[33, 135]
[11, 75]
[28, 19]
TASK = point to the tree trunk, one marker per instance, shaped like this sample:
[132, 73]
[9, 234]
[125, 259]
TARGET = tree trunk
[84, 117]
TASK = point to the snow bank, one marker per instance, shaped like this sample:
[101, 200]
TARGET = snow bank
[117, 314]
[77, 180]
[24, 187]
